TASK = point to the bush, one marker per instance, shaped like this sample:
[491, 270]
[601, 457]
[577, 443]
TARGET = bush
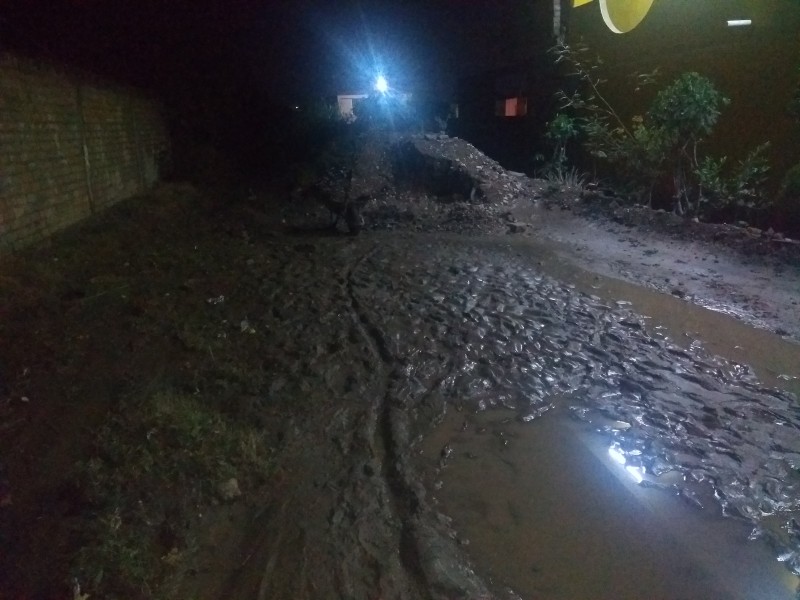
[787, 209]
[662, 147]
[560, 131]
[737, 194]
[680, 118]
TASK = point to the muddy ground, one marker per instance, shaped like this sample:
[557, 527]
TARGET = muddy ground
[471, 289]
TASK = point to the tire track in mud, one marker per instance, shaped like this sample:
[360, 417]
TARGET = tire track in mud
[381, 422]
[430, 558]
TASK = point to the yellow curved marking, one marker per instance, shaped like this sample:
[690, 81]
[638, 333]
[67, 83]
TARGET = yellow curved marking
[621, 16]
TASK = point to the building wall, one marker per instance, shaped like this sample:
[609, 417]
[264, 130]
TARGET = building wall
[69, 147]
[516, 66]
[756, 66]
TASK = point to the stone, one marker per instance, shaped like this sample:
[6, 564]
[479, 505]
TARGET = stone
[229, 490]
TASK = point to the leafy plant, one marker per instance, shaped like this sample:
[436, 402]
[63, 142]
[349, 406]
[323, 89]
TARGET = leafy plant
[686, 113]
[738, 192]
[633, 148]
[560, 131]
[664, 143]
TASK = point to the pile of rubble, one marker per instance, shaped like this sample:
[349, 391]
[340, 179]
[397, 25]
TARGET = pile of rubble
[431, 183]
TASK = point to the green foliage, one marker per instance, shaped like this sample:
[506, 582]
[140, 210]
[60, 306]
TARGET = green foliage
[709, 172]
[560, 131]
[635, 150]
[685, 113]
[738, 191]
[564, 178]
[664, 143]
[688, 109]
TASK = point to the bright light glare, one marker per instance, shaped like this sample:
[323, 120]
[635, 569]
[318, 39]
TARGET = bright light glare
[739, 22]
[615, 454]
[381, 84]
[636, 472]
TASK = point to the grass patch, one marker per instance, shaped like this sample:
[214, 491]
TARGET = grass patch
[157, 464]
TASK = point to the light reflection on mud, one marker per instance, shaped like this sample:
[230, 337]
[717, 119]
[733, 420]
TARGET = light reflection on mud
[482, 330]
[544, 508]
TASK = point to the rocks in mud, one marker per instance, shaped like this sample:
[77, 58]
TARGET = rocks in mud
[228, 490]
[678, 291]
[453, 173]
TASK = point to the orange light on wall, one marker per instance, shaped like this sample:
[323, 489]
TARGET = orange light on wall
[512, 107]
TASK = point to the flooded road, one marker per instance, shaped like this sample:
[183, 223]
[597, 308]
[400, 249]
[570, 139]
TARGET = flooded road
[632, 511]
[456, 389]
[545, 509]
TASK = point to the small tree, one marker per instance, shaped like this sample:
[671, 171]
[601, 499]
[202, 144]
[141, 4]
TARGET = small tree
[560, 131]
[686, 113]
[664, 142]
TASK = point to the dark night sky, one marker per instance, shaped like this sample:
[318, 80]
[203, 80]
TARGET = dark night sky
[229, 72]
[286, 49]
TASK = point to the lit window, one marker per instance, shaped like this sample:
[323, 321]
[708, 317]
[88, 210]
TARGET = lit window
[511, 107]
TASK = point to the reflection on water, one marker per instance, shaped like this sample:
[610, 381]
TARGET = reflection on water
[483, 330]
[548, 510]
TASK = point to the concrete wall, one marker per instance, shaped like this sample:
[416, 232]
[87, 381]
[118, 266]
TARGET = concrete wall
[69, 147]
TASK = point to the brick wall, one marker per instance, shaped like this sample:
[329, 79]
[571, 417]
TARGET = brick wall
[69, 147]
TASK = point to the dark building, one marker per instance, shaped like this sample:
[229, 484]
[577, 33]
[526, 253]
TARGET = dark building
[750, 49]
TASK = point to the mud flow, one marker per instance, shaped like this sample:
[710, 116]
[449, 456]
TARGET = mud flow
[582, 452]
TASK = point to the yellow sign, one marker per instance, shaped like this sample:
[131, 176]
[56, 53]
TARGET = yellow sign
[621, 16]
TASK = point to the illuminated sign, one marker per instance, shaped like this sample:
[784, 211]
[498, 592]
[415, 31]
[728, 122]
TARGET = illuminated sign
[621, 16]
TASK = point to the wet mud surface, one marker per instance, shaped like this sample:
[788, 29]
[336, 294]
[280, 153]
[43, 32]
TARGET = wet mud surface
[444, 327]
[428, 397]
[757, 289]
[571, 523]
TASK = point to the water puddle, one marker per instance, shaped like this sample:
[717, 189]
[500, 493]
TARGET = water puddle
[774, 360]
[625, 438]
[547, 510]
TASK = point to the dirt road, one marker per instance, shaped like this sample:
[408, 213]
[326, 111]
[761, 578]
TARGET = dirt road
[336, 359]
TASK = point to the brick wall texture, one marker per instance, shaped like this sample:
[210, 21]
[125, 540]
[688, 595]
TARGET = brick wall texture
[69, 147]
